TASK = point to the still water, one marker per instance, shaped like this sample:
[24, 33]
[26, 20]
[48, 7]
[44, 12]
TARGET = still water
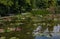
[55, 34]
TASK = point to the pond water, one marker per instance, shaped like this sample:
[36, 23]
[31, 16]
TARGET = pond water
[55, 34]
[45, 37]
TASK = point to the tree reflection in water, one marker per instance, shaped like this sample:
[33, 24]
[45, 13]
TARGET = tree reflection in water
[52, 32]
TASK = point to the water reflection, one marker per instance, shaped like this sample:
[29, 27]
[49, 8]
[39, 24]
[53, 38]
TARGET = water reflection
[55, 34]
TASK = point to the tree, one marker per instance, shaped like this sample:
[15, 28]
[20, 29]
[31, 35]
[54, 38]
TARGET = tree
[6, 4]
[41, 4]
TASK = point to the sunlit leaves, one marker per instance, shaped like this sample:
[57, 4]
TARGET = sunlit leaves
[10, 3]
[28, 1]
[7, 2]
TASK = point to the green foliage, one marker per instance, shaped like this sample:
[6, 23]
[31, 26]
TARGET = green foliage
[28, 1]
[23, 22]
[41, 3]
[41, 11]
[19, 6]
[6, 2]
[27, 22]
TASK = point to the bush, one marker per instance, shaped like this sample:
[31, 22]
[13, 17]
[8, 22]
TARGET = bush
[41, 11]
